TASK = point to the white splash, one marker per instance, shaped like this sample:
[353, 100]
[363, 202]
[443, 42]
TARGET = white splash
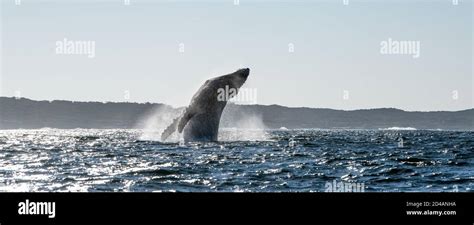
[247, 128]
[153, 124]
[398, 128]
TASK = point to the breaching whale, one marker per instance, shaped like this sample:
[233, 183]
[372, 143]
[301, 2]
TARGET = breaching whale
[200, 120]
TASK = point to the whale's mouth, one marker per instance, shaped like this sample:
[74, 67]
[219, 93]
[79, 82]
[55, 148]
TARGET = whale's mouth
[244, 72]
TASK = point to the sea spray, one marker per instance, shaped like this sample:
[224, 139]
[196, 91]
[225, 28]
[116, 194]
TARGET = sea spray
[245, 127]
[154, 122]
[235, 126]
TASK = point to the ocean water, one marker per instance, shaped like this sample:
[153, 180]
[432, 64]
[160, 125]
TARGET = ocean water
[277, 161]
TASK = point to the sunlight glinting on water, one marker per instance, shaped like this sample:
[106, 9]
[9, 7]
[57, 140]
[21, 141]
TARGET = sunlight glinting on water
[286, 160]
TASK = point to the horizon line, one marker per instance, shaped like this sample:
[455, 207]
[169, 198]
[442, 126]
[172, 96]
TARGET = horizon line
[291, 107]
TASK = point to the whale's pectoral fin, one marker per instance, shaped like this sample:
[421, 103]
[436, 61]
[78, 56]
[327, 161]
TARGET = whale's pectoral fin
[178, 123]
[184, 120]
[170, 129]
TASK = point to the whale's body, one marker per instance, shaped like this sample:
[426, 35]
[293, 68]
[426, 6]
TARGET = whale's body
[200, 120]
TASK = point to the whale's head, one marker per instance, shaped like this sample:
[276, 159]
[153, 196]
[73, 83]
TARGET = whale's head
[225, 85]
[233, 80]
[238, 78]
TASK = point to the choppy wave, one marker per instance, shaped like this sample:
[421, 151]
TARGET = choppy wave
[398, 128]
[288, 160]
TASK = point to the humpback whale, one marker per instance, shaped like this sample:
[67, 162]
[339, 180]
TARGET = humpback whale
[200, 120]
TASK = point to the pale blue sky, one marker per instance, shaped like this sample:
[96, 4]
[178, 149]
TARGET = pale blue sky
[337, 48]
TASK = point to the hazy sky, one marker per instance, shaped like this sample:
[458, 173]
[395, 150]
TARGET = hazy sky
[337, 51]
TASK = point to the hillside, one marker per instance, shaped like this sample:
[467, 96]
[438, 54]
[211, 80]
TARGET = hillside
[29, 114]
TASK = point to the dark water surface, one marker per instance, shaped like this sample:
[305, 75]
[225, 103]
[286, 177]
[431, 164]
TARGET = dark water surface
[287, 160]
